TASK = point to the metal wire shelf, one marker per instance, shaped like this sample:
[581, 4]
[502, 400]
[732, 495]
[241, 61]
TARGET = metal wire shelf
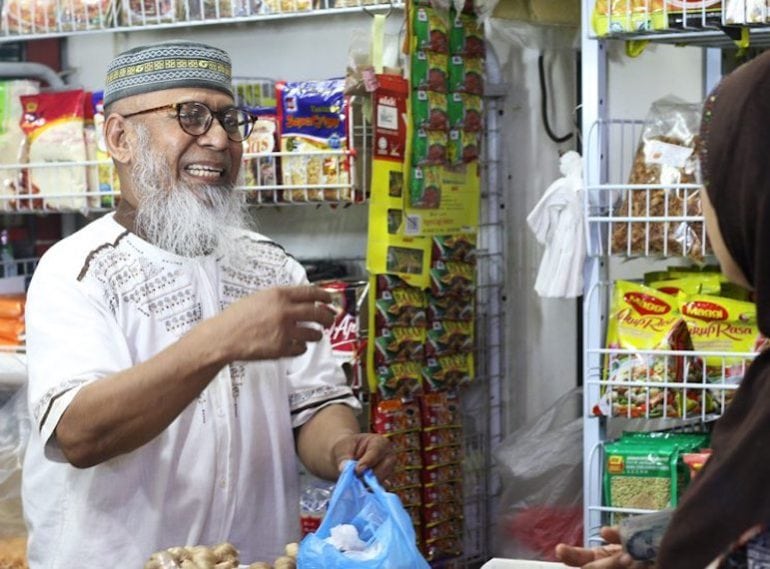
[263, 184]
[35, 19]
[639, 220]
[704, 24]
[674, 384]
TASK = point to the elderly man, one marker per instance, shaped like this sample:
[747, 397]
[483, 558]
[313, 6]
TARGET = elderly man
[176, 359]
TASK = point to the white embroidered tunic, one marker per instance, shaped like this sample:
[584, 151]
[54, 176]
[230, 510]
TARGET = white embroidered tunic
[103, 300]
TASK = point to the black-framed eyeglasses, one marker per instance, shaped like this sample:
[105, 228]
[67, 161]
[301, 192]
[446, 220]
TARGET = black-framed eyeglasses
[196, 119]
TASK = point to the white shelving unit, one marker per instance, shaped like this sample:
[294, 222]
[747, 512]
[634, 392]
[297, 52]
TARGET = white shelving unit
[610, 144]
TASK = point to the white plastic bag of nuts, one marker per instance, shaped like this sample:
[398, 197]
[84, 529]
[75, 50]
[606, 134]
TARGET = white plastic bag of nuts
[667, 167]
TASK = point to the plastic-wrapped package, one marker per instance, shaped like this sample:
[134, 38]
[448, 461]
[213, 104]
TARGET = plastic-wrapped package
[14, 434]
[666, 159]
[541, 466]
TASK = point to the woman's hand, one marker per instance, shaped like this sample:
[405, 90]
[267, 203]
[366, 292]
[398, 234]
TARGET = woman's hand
[609, 556]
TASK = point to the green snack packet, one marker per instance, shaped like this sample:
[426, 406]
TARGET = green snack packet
[429, 110]
[429, 71]
[465, 111]
[463, 147]
[466, 75]
[466, 36]
[430, 29]
[429, 148]
[425, 187]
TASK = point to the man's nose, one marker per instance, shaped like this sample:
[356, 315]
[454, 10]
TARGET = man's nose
[216, 136]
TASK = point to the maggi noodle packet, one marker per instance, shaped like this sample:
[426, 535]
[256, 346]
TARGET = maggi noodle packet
[693, 283]
[642, 318]
[718, 324]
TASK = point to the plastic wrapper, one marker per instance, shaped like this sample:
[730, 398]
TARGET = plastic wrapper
[381, 521]
[666, 158]
[541, 466]
[14, 434]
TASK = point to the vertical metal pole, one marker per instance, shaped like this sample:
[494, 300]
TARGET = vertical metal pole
[594, 88]
[712, 69]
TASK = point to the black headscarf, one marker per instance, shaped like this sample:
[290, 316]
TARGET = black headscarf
[732, 493]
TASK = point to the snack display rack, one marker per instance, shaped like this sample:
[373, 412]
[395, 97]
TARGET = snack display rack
[609, 152]
[36, 19]
[261, 191]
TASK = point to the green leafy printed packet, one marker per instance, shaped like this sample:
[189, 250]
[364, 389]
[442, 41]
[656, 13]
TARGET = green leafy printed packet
[641, 474]
[687, 442]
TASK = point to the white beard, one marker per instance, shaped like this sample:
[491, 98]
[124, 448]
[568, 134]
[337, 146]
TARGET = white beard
[182, 219]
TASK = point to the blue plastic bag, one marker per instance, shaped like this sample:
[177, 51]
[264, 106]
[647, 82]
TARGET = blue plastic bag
[381, 521]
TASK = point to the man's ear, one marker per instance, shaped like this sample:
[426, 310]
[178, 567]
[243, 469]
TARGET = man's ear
[116, 138]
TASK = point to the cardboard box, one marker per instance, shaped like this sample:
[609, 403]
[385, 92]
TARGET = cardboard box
[498, 563]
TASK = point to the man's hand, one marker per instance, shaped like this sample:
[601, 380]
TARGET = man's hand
[275, 323]
[609, 556]
[371, 451]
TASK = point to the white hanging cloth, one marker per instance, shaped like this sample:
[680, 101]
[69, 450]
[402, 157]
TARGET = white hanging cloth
[558, 223]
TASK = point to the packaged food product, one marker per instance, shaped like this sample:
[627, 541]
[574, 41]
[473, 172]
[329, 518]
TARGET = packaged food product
[401, 307]
[466, 75]
[444, 530]
[642, 318]
[448, 371]
[439, 410]
[285, 6]
[429, 147]
[695, 283]
[746, 12]
[442, 492]
[466, 36]
[464, 147]
[465, 112]
[429, 71]
[723, 325]
[446, 548]
[450, 308]
[11, 137]
[435, 514]
[642, 476]
[425, 187]
[108, 182]
[144, 12]
[453, 279]
[449, 338]
[666, 159]
[399, 345]
[457, 247]
[430, 29]
[261, 165]
[442, 456]
[429, 110]
[78, 15]
[30, 16]
[645, 470]
[404, 441]
[399, 379]
[442, 475]
[53, 123]
[12, 305]
[441, 438]
[395, 416]
[313, 122]
[344, 334]
[695, 461]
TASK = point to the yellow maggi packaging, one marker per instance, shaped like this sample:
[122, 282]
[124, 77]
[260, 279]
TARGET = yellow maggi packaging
[641, 319]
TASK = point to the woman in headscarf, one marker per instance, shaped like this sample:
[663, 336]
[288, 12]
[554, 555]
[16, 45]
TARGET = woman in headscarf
[730, 498]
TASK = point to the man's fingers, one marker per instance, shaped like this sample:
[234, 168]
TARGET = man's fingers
[308, 293]
[319, 313]
[574, 556]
